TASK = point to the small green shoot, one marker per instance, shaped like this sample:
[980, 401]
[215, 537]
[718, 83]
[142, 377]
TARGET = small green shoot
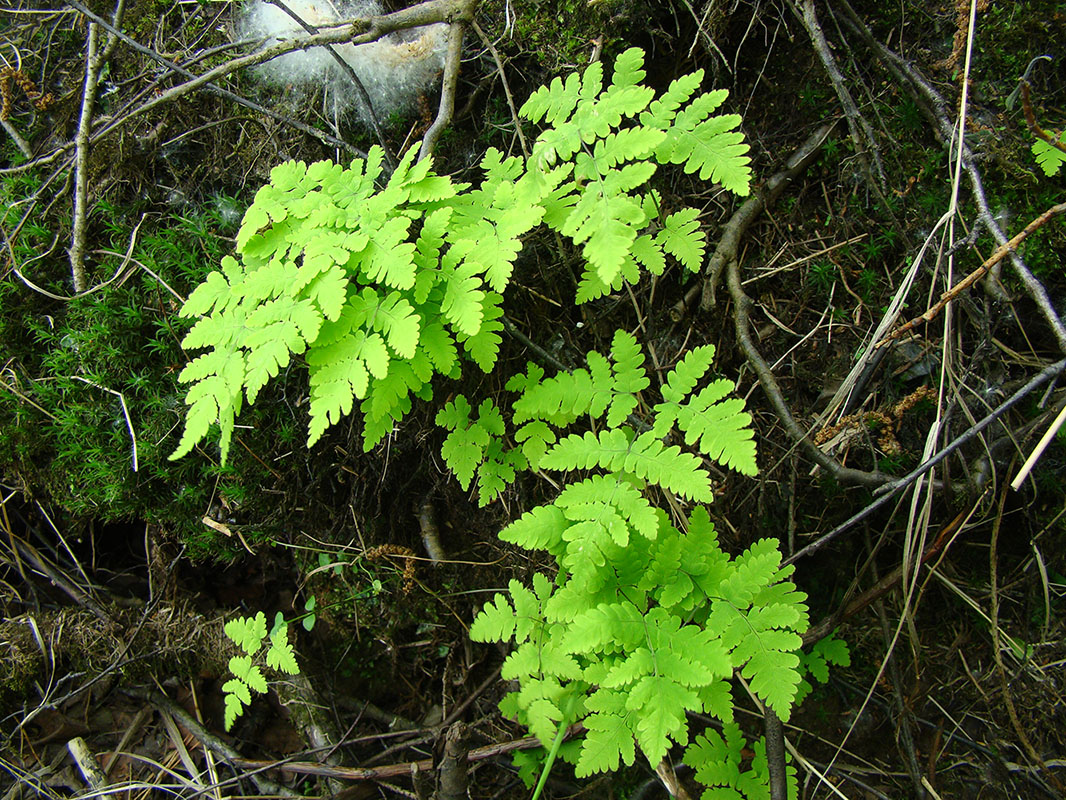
[249, 633]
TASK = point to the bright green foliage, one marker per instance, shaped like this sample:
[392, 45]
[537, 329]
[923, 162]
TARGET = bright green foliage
[718, 759]
[608, 390]
[646, 620]
[815, 664]
[642, 624]
[1049, 157]
[383, 281]
[248, 633]
[329, 264]
[610, 140]
[476, 446]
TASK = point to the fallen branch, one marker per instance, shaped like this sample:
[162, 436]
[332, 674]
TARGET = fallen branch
[931, 101]
[742, 322]
[891, 489]
[1000, 253]
[392, 770]
[448, 85]
[761, 199]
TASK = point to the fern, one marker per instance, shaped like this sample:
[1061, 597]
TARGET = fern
[615, 138]
[384, 282]
[645, 620]
[1050, 157]
[249, 633]
[718, 759]
[608, 389]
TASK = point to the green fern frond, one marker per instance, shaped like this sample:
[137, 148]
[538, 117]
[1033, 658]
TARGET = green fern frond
[644, 456]
[709, 145]
[718, 761]
[248, 633]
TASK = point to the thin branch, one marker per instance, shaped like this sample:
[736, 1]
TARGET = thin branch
[761, 199]
[485, 40]
[998, 255]
[81, 159]
[865, 142]
[936, 107]
[447, 90]
[360, 90]
[726, 254]
[1034, 126]
[893, 488]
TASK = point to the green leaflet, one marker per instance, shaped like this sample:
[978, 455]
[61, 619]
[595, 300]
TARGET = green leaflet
[382, 282]
[1049, 157]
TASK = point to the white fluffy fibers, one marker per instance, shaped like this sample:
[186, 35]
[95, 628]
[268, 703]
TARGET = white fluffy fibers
[394, 70]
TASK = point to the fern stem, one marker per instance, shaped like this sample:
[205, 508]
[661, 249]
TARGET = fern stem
[564, 725]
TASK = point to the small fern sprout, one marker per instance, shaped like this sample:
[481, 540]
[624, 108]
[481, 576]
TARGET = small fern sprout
[249, 634]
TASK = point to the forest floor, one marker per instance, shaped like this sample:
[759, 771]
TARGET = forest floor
[119, 567]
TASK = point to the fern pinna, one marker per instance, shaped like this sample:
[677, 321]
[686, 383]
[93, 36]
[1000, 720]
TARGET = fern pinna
[647, 618]
[385, 281]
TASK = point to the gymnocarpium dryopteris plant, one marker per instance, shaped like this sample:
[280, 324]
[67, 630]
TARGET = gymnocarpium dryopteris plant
[646, 618]
[383, 282]
[248, 633]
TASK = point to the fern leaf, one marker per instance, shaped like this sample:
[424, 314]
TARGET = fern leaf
[717, 760]
[215, 397]
[755, 568]
[661, 112]
[439, 347]
[389, 257]
[535, 438]
[234, 707]
[279, 328]
[497, 471]
[662, 704]
[484, 346]
[1049, 157]
[464, 448]
[681, 238]
[247, 632]
[463, 298]
[542, 528]
[688, 372]
[339, 373]
[610, 490]
[609, 739]
[774, 677]
[709, 146]
[554, 102]
[605, 218]
[628, 68]
[495, 622]
[400, 324]
[648, 252]
[645, 456]
[721, 426]
[248, 675]
[216, 290]
[280, 656]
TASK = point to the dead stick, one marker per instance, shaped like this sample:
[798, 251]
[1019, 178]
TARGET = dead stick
[761, 199]
[393, 770]
[1000, 253]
